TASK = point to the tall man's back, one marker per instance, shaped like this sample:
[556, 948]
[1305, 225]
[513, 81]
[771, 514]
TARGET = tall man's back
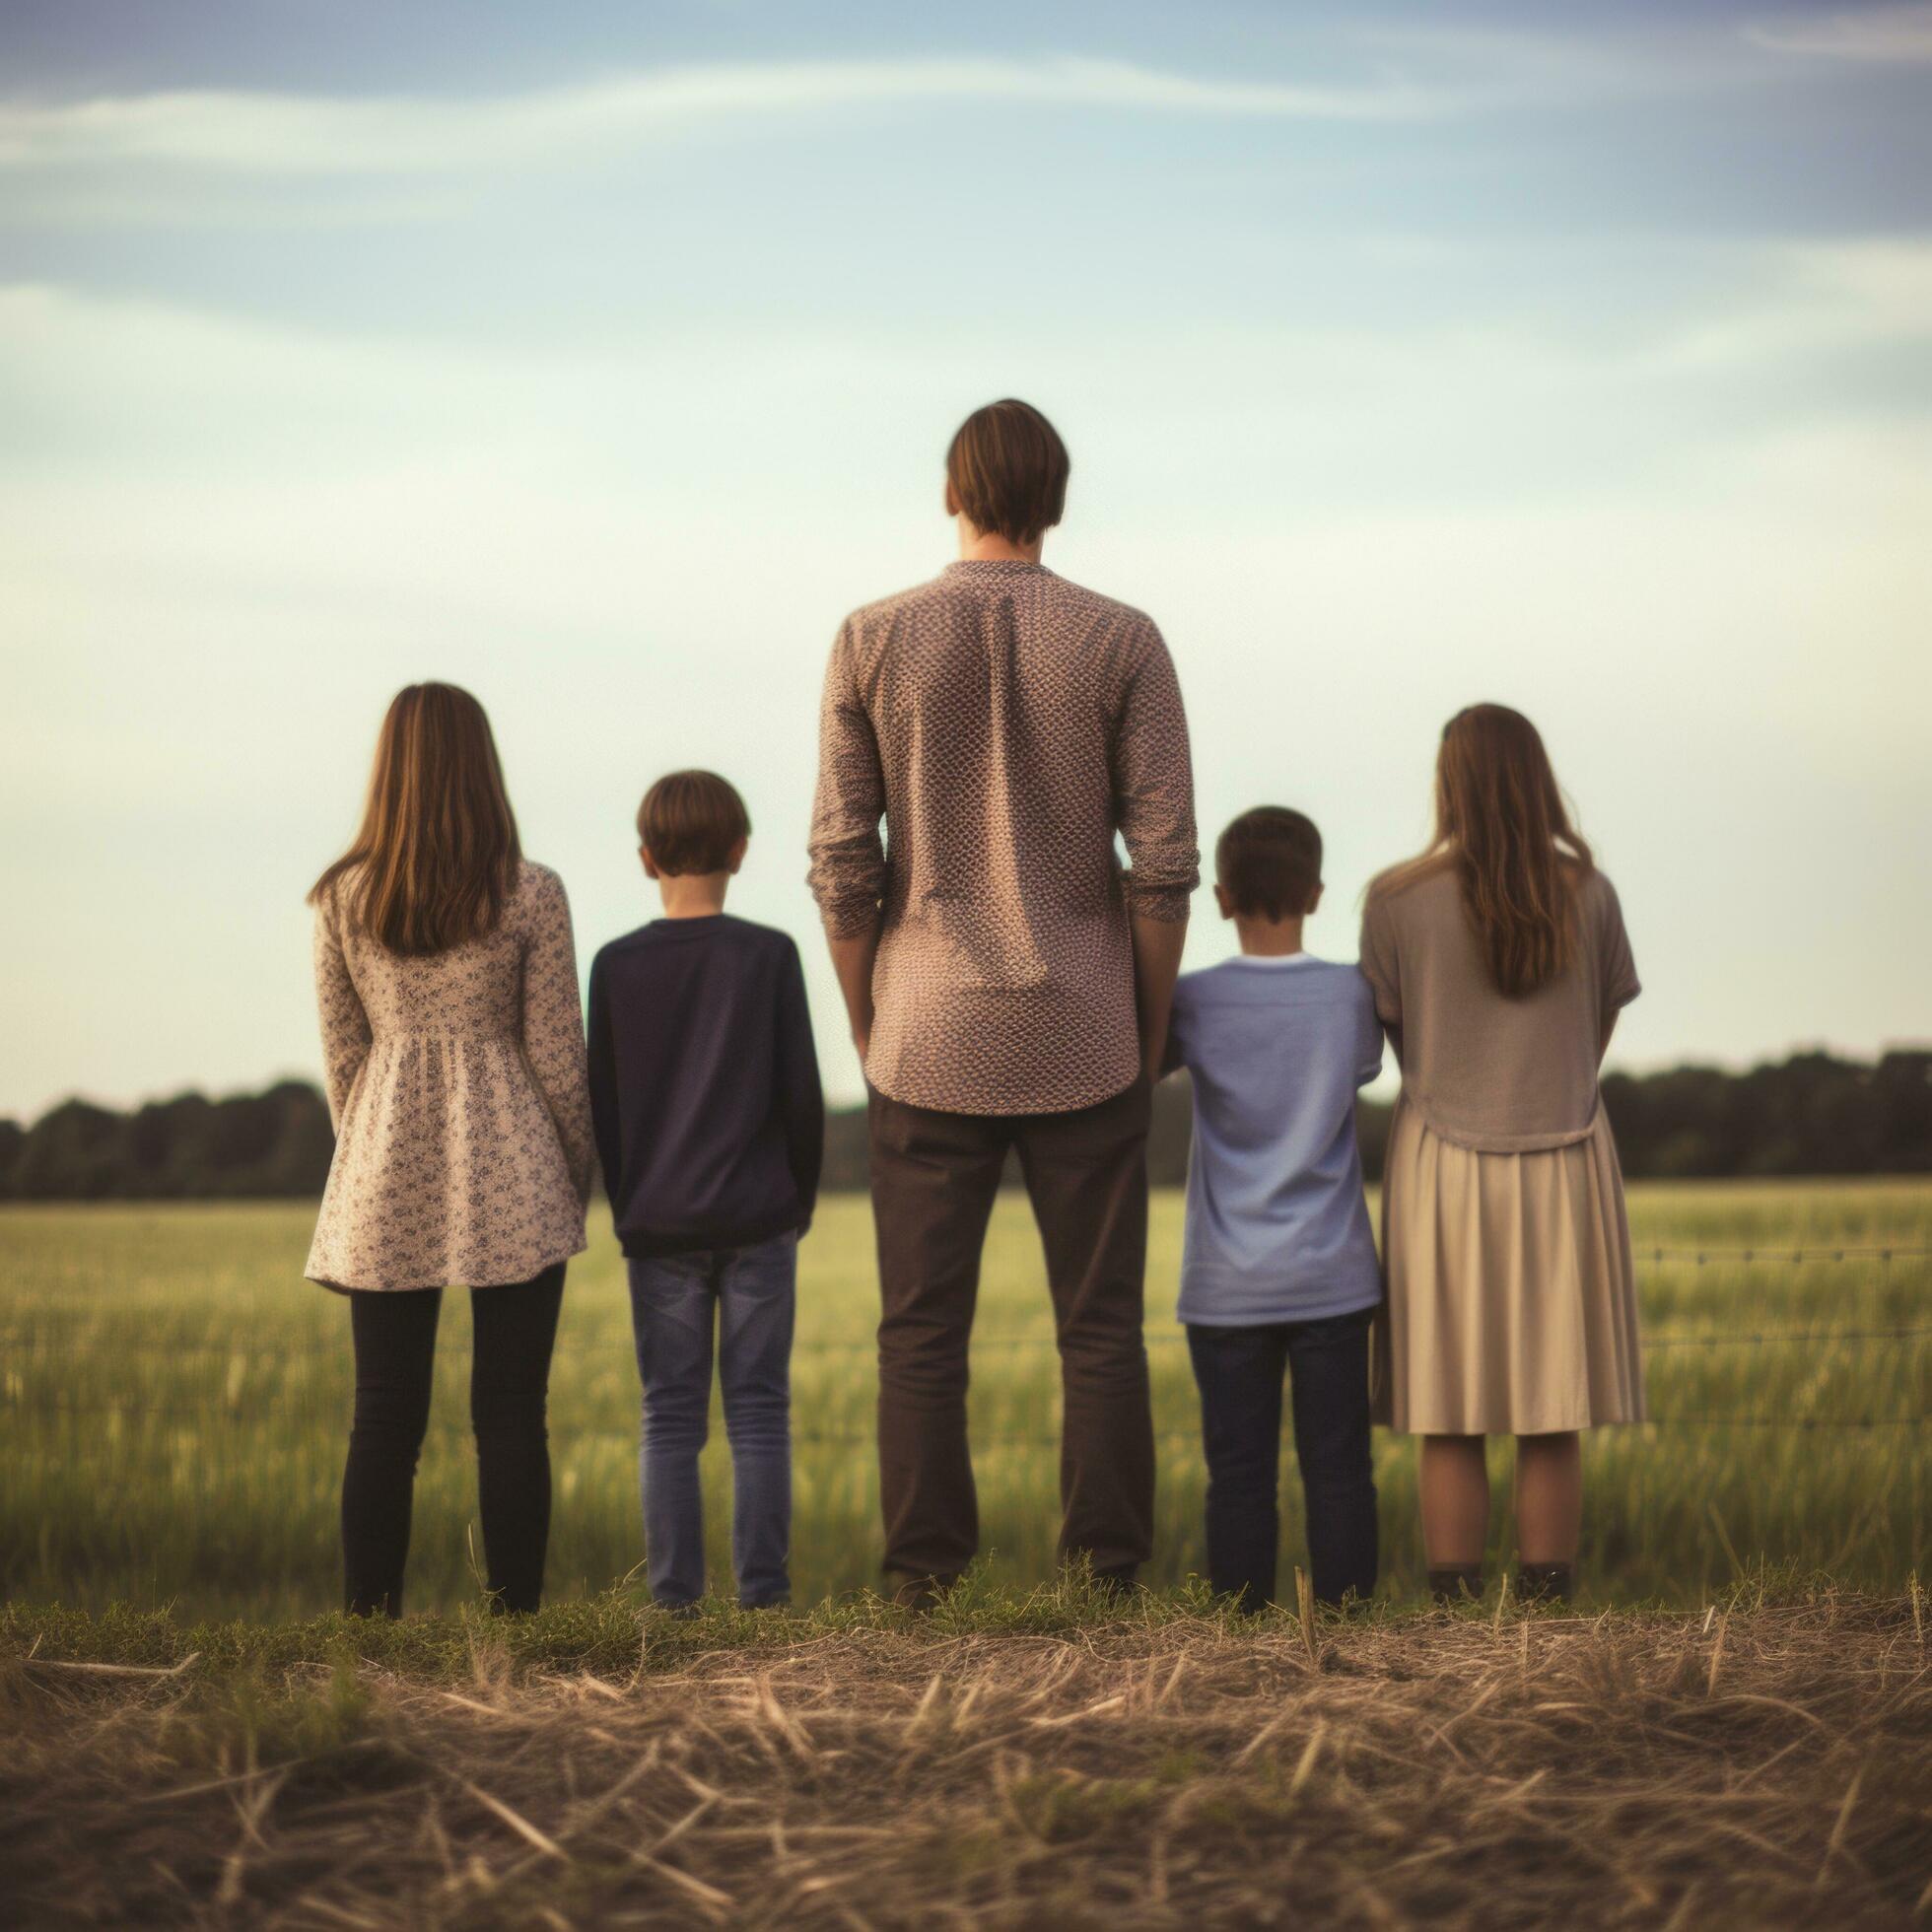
[1008, 986]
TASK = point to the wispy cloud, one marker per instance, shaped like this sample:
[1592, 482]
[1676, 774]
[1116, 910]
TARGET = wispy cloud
[1818, 298]
[325, 135]
[1872, 34]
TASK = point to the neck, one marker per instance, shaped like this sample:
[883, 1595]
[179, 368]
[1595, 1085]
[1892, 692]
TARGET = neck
[1268, 938]
[989, 548]
[693, 896]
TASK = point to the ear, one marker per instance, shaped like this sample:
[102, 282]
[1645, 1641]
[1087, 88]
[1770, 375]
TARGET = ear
[1314, 899]
[1224, 901]
[736, 857]
[952, 501]
[651, 870]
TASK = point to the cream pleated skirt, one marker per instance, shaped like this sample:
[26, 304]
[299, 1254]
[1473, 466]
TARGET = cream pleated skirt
[1513, 1300]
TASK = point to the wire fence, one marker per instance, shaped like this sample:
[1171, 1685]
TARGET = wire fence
[1760, 1337]
[1666, 1338]
[1021, 1338]
[15, 1397]
[1701, 1256]
[201, 1417]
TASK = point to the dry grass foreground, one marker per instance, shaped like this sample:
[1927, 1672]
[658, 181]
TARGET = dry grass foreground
[1764, 1766]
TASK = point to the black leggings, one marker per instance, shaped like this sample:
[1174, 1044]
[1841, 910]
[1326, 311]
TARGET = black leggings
[395, 1360]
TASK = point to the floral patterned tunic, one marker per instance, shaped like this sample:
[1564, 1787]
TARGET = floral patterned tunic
[463, 1115]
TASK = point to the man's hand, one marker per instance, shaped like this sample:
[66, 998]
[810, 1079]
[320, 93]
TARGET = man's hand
[852, 961]
[1158, 944]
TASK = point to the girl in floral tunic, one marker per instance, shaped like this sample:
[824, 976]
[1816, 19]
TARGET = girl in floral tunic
[446, 979]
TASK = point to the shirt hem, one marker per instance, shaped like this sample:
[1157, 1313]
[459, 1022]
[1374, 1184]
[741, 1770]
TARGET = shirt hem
[1321, 1312]
[341, 1287]
[738, 1234]
[1313, 1310]
[1026, 1110]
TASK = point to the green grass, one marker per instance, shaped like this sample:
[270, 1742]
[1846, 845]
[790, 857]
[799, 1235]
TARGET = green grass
[174, 1407]
[618, 1632]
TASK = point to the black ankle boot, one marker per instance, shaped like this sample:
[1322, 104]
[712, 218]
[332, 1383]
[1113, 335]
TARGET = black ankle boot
[921, 1593]
[1455, 1583]
[1545, 1583]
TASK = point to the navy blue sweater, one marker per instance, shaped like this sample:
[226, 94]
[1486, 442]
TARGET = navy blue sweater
[704, 1086]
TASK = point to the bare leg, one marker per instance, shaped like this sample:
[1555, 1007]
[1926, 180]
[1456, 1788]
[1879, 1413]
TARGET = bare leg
[1455, 1497]
[1549, 1497]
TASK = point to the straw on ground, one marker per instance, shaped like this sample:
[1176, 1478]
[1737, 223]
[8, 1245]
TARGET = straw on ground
[1769, 1764]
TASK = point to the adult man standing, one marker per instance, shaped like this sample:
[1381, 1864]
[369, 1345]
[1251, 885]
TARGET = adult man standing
[1008, 985]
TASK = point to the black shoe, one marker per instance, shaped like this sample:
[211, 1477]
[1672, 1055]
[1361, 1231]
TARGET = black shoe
[921, 1592]
[1545, 1583]
[1116, 1585]
[1455, 1583]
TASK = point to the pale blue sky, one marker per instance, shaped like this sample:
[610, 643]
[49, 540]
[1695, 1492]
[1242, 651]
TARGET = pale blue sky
[599, 358]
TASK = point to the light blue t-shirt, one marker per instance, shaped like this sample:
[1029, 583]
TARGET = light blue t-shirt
[1277, 1228]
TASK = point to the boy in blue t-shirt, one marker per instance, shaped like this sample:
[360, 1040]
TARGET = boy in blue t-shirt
[1279, 1269]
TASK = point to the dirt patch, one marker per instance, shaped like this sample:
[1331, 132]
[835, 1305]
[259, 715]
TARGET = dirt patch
[1766, 1767]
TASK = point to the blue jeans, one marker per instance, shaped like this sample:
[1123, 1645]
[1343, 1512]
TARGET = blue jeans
[1239, 1372]
[674, 1298]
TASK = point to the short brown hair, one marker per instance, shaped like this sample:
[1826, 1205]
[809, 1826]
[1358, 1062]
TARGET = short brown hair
[1008, 468]
[1270, 862]
[689, 822]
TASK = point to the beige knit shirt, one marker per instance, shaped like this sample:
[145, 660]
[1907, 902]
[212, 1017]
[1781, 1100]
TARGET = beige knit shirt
[1499, 1076]
[1006, 725]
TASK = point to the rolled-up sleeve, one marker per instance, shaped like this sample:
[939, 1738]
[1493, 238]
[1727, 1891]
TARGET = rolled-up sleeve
[1153, 787]
[848, 853]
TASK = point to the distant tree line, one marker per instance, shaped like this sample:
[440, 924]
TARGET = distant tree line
[251, 1146]
[1815, 1114]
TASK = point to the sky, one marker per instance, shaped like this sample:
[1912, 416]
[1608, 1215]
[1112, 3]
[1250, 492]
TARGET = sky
[600, 357]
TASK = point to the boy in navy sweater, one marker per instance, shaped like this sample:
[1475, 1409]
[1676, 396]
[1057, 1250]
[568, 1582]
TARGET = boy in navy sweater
[709, 1126]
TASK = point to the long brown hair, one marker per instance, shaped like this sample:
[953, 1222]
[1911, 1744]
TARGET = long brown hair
[1501, 822]
[436, 856]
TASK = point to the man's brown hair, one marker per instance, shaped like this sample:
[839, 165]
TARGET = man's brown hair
[689, 822]
[1270, 862]
[1007, 469]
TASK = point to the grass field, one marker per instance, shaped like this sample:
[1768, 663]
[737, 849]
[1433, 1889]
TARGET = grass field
[175, 1402]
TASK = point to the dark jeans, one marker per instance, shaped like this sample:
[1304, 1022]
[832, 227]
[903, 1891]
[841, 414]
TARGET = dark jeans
[750, 1296]
[1239, 1373]
[934, 1176]
[395, 1360]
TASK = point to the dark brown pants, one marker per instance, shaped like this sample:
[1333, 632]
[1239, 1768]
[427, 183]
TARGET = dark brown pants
[934, 1176]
